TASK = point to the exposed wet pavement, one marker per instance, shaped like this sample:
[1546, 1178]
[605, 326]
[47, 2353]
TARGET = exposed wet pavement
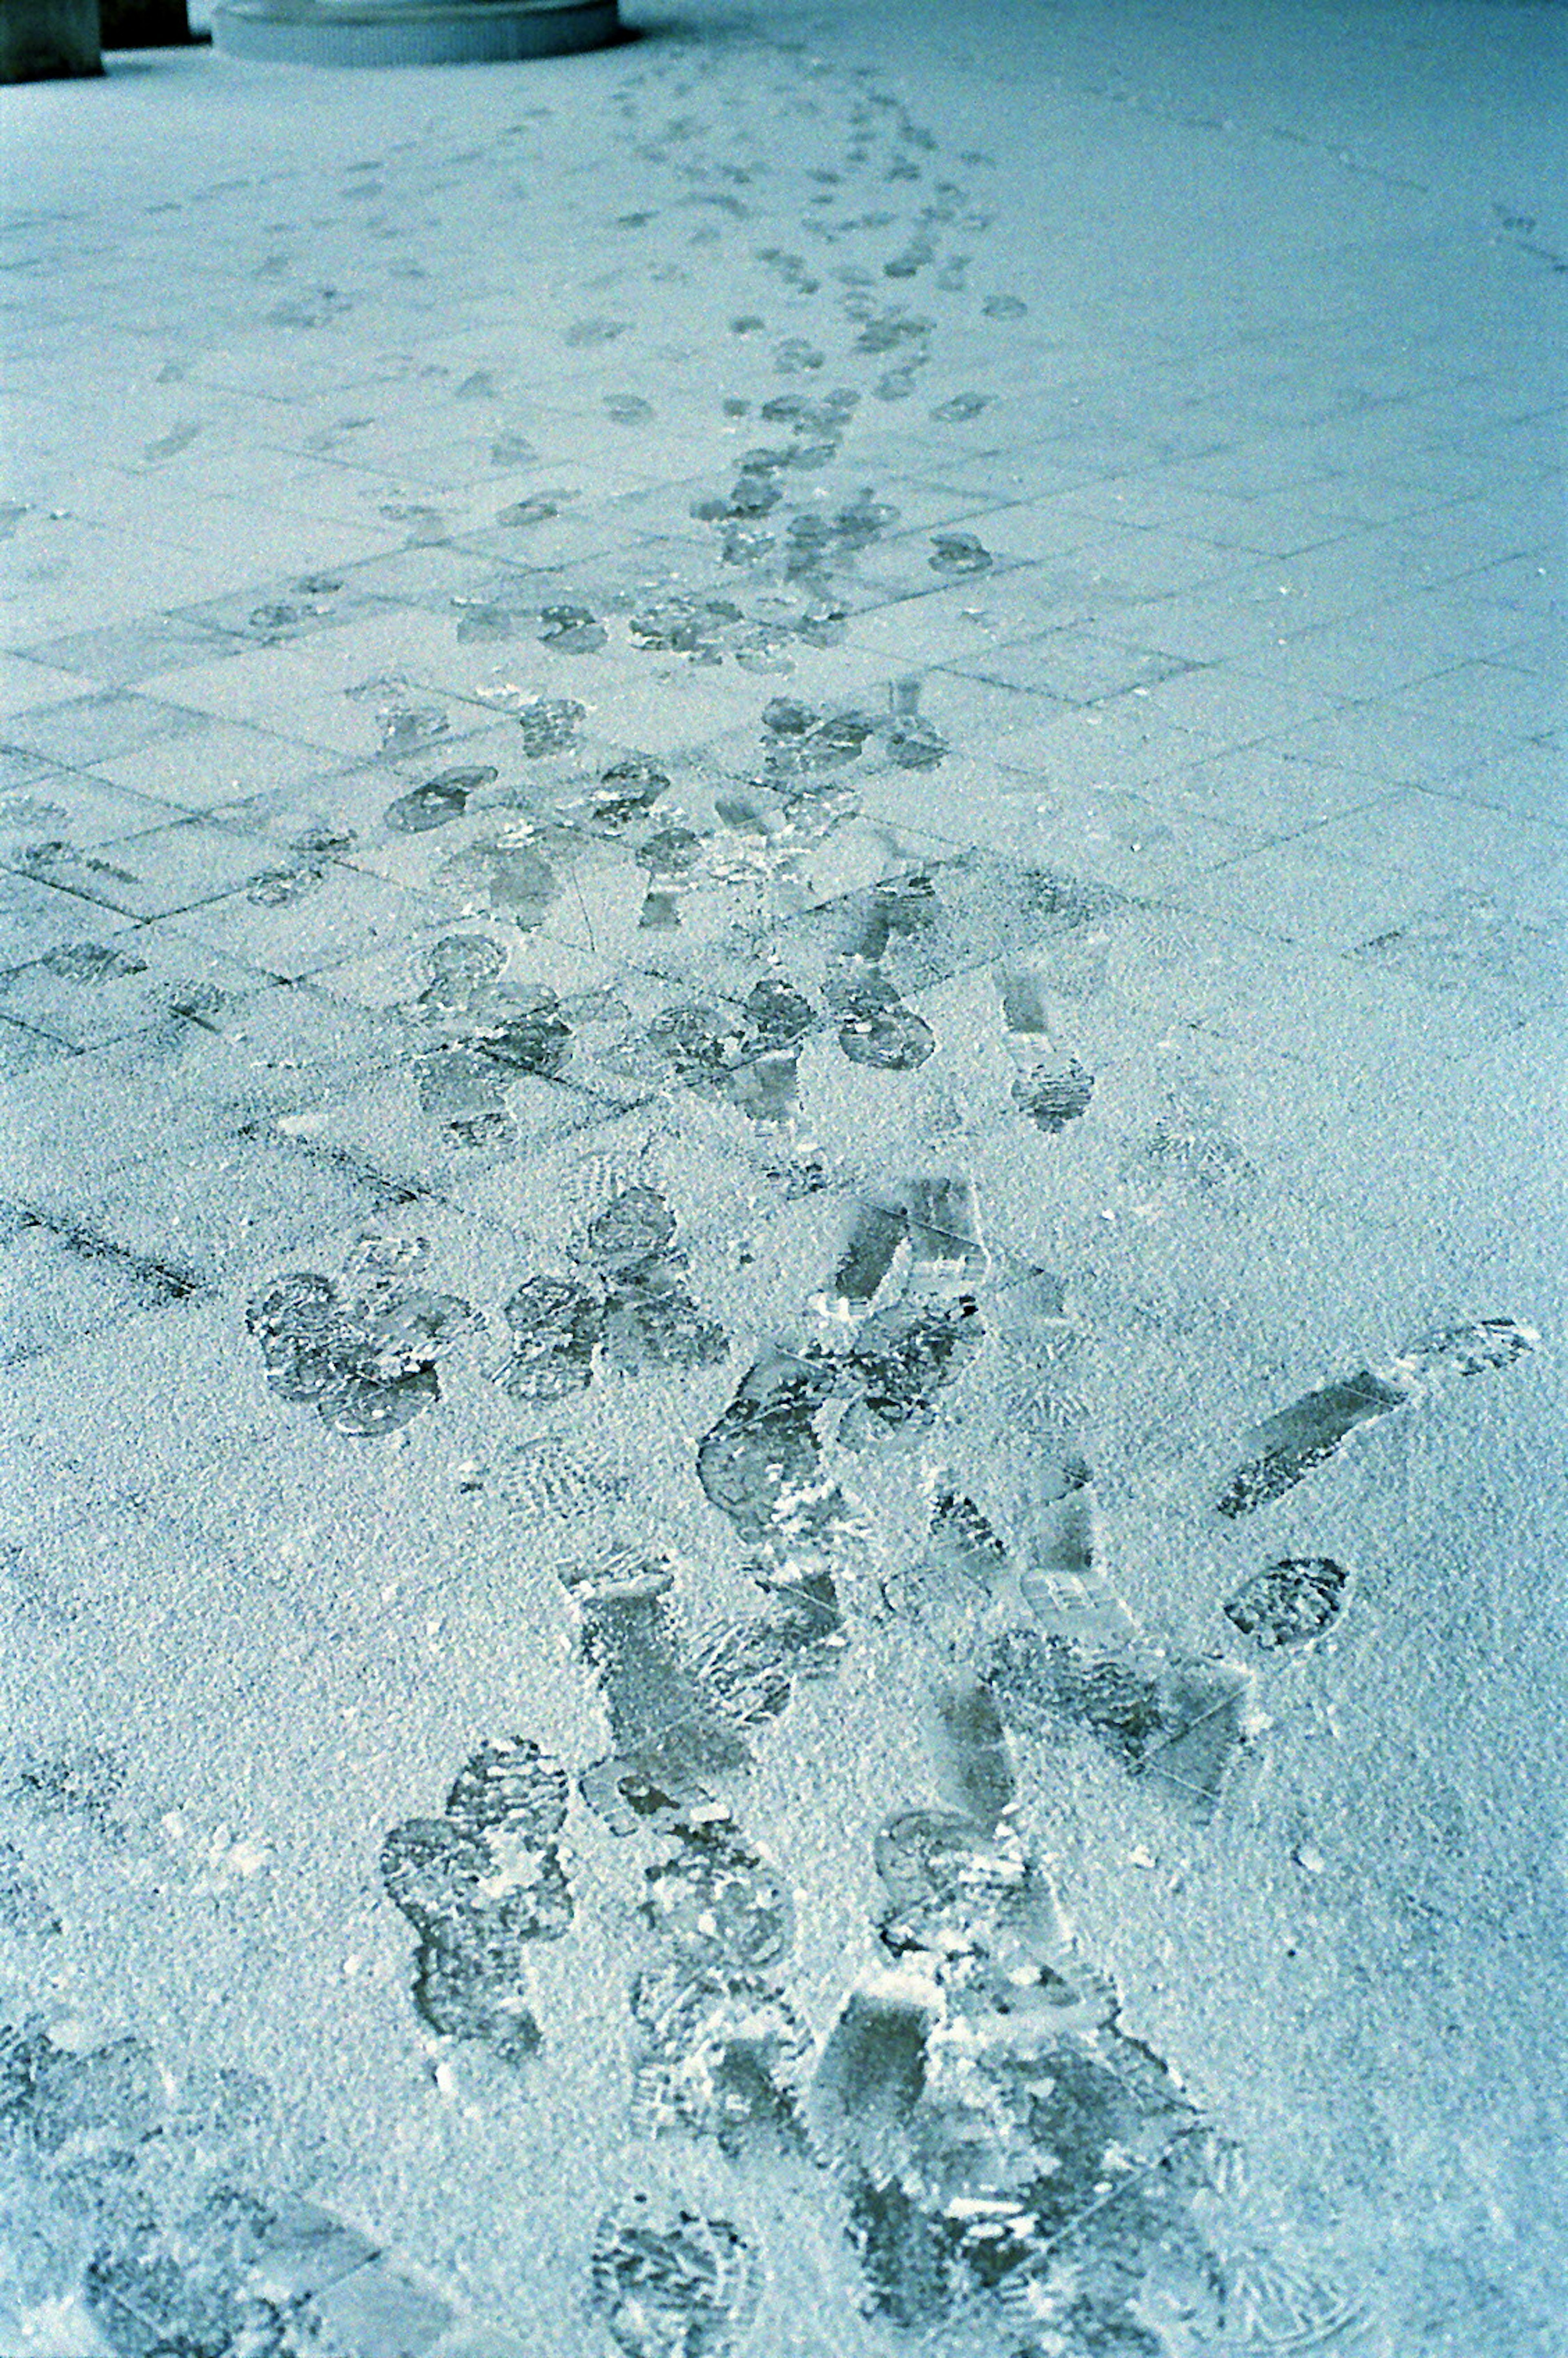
[782, 841]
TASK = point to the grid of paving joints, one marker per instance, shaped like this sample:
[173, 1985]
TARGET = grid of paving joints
[659, 1066]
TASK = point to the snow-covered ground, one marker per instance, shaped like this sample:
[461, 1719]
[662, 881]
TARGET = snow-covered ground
[784, 843]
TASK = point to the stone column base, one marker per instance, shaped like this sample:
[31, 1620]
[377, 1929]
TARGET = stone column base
[384, 33]
[42, 39]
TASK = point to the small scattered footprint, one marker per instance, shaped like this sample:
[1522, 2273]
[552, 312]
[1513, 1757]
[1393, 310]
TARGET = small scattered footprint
[572, 631]
[959, 552]
[439, 801]
[962, 406]
[548, 724]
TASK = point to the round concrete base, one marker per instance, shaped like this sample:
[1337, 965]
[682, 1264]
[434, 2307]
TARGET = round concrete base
[361, 33]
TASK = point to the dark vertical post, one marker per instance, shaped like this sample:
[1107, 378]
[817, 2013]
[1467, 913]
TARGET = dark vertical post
[42, 39]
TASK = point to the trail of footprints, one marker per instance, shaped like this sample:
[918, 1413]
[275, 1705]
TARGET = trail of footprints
[998, 2144]
[1007, 2162]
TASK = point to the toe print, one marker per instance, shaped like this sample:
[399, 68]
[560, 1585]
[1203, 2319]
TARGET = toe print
[1289, 1602]
[673, 2284]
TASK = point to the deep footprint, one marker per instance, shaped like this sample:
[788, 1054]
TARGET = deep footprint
[902, 1357]
[368, 1364]
[991, 2127]
[764, 1450]
[1079, 1662]
[1289, 1602]
[650, 1321]
[722, 2046]
[875, 1026]
[719, 2045]
[480, 1884]
[1286, 1446]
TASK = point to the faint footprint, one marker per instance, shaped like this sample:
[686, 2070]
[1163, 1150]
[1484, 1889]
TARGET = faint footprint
[90, 962]
[518, 873]
[546, 1479]
[537, 508]
[168, 446]
[886, 332]
[1051, 1088]
[962, 406]
[313, 851]
[912, 741]
[24, 1912]
[142, 2190]
[405, 727]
